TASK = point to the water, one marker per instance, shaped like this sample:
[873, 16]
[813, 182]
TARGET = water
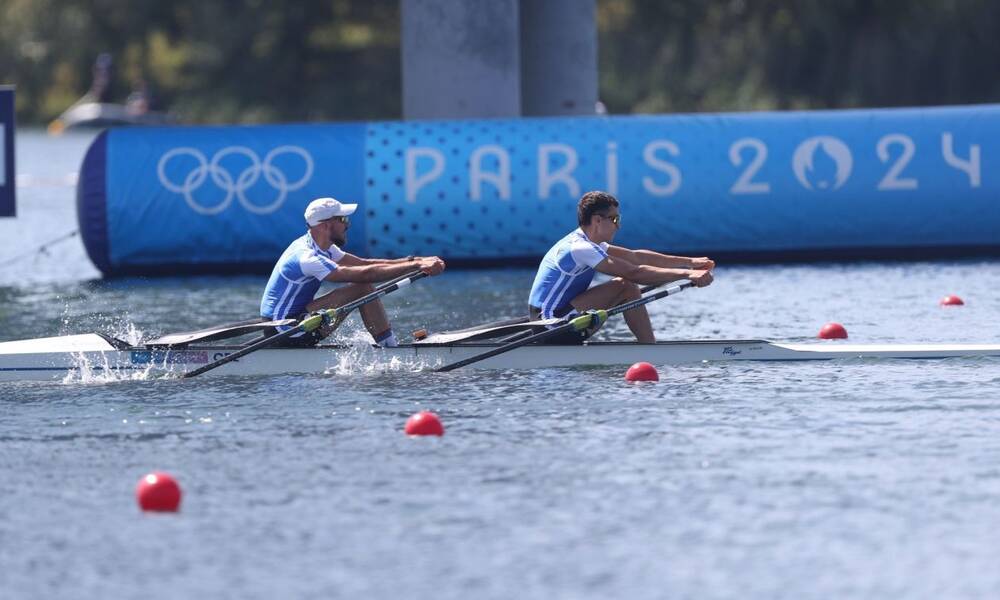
[812, 480]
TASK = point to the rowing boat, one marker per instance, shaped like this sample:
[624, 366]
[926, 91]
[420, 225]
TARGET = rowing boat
[69, 357]
[522, 344]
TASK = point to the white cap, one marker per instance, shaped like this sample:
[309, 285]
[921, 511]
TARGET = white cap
[322, 209]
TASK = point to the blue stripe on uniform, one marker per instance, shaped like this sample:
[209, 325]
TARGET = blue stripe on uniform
[289, 290]
[560, 278]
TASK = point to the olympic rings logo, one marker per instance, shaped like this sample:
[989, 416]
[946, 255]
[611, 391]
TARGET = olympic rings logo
[235, 188]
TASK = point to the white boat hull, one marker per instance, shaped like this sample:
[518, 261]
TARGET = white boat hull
[90, 356]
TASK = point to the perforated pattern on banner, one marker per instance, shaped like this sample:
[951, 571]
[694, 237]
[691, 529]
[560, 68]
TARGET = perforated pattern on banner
[475, 189]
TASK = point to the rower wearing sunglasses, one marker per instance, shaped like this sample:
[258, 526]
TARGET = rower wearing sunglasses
[316, 257]
[561, 284]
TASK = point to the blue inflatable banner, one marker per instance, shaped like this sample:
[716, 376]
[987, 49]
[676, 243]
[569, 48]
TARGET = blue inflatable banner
[825, 183]
[8, 207]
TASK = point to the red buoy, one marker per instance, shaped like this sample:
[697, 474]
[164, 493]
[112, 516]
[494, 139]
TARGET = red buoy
[833, 331]
[424, 423]
[951, 301]
[642, 371]
[158, 492]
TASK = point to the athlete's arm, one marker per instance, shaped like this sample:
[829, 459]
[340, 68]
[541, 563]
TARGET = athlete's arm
[649, 274]
[350, 260]
[374, 273]
[657, 259]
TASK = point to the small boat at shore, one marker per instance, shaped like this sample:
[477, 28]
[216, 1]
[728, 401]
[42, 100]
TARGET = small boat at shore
[103, 114]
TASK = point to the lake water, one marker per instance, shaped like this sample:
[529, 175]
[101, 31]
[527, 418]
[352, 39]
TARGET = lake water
[877, 479]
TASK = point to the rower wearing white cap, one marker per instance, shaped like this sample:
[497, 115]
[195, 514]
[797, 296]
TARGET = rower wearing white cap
[316, 257]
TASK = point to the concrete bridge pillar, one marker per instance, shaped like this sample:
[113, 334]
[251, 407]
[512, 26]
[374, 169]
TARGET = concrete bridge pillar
[558, 57]
[460, 59]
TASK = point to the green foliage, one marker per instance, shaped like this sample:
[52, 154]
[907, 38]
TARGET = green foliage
[223, 61]
[667, 56]
[209, 61]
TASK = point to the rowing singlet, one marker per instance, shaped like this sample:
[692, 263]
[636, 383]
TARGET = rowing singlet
[296, 278]
[566, 272]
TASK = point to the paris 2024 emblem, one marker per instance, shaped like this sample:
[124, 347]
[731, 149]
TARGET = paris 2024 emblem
[822, 163]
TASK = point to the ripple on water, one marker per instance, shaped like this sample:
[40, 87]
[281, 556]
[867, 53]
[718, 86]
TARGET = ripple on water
[846, 479]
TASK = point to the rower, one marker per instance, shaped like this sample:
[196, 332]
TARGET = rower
[317, 257]
[561, 284]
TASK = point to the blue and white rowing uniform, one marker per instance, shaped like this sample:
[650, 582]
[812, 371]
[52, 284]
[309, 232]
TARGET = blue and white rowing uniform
[565, 272]
[296, 278]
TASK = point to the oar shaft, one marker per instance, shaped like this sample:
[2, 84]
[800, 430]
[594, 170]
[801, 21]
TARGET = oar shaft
[313, 321]
[382, 290]
[647, 299]
[531, 339]
[241, 352]
[580, 322]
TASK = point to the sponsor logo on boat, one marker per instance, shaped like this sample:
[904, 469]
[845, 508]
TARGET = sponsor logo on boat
[169, 357]
[731, 351]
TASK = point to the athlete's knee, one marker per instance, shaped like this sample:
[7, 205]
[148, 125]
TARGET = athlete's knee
[365, 288]
[627, 289]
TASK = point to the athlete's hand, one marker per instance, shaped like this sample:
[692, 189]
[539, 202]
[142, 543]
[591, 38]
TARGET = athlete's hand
[702, 263]
[700, 277]
[432, 265]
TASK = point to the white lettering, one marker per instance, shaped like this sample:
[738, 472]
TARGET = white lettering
[745, 184]
[414, 182]
[671, 170]
[500, 179]
[891, 181]
[562, 175]
[611, 166]
[969, 167]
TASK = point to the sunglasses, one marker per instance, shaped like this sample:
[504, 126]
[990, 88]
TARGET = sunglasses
[344, 220]
[617, 219]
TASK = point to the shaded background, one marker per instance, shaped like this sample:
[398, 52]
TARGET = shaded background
[320, 60]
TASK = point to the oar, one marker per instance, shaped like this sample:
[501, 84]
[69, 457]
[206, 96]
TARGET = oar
[313, 321]
[343, 314]
[576, 324]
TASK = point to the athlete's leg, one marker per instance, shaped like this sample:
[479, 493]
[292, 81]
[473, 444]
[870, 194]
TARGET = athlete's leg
[613, 293]
[373, 313]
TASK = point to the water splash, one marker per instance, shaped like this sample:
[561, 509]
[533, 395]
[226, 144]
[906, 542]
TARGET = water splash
[368, 360]
[119, 325]
[97, 368]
